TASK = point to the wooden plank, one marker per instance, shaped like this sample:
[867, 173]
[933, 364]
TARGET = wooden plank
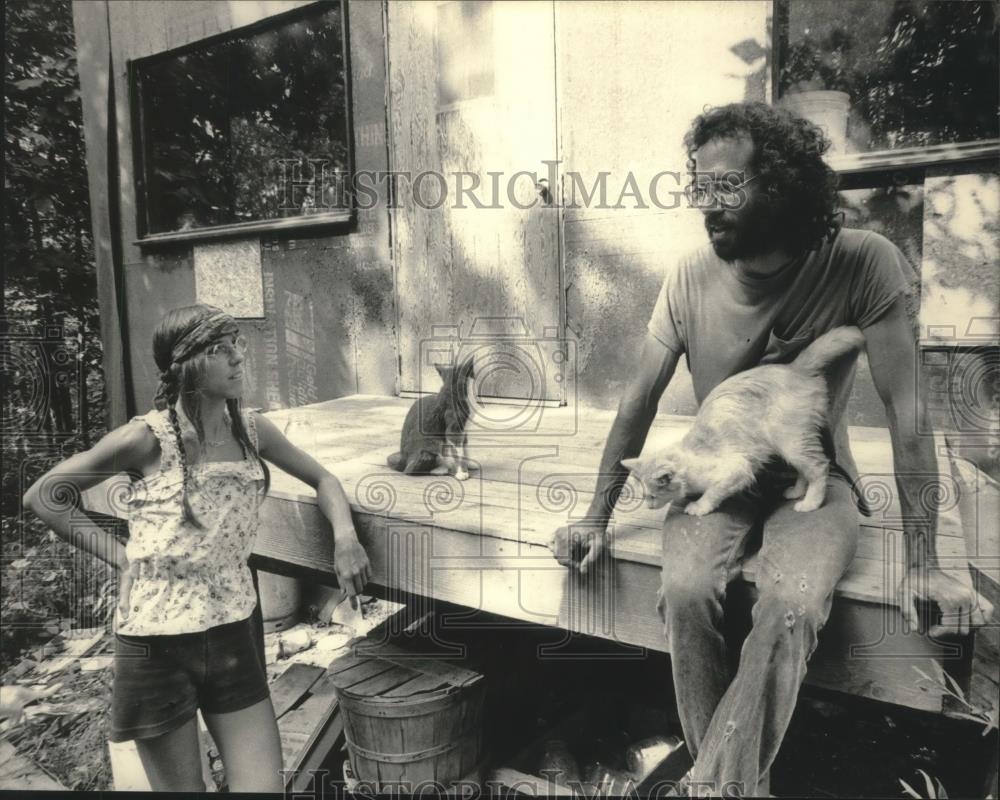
[488, 552]
[345, 662]
[416, 685]
[90, 24]
[531, 525]
[504, 266]
[327, 740]
[864, 580]
[300, 727]
[377, 685]
[639, 540]
[670, 771]
[444, 667]
[523, 582]
[984, 687]
[524, 472]
[291, 685]
[21, 774]
[531, 785]
[358, 673]
[486, 499]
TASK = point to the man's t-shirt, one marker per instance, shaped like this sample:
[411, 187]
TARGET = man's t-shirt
[727, 321]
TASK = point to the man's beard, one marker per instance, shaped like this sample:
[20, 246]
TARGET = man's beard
[754, 232]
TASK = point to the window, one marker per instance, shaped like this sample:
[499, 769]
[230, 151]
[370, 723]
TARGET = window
[909, 73]
[245, 130]
[907, 91]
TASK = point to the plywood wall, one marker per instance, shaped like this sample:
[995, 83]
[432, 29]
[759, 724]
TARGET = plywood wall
[631, 78]
[479, 273]
[329, 324]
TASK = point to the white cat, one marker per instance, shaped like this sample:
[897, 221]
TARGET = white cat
[767, 411]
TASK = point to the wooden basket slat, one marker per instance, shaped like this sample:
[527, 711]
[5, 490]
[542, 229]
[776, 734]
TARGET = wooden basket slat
[409, 720]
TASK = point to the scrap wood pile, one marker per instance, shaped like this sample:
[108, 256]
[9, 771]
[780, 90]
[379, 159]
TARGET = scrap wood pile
[55, 711]
[55, 715]
[305, 702]
[309, 722]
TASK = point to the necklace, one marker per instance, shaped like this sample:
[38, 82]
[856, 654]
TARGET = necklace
[226, 422]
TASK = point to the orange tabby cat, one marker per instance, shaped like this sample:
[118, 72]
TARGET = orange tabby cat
[747, 420]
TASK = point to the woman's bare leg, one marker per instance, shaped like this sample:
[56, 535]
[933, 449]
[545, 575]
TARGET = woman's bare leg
[250, 747]
[173, 761]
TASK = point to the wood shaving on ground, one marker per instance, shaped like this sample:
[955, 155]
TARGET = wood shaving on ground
[57, 708]
[326, 642]
[57, 715]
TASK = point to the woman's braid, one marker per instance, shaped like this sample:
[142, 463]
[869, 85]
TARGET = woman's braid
[167, 390]
[188, 511]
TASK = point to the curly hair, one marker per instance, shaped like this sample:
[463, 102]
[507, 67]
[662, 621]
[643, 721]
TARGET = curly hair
[788, 157]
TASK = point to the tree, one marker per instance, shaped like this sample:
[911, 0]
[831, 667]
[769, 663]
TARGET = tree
[48, 250]
[51, 350]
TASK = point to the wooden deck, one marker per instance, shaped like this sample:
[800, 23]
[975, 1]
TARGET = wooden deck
[482, 543]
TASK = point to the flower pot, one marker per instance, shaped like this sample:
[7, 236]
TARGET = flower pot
[827, 109]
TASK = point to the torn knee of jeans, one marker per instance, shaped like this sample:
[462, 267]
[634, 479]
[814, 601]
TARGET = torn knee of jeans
[789, 619]
[803, 585]
[777, 577]
[730, 729]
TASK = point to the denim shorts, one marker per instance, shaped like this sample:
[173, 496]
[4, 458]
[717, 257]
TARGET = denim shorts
[161, 681]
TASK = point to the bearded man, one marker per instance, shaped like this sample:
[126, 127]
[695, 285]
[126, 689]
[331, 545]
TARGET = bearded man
[778, 272]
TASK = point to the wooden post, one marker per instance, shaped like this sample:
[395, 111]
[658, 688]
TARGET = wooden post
[93, 57]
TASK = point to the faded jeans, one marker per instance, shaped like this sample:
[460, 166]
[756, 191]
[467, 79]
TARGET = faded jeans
[734, 725]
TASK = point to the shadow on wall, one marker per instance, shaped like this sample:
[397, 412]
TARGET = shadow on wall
[630, 119]
[329, 327]
[479, 294]
[960, 281]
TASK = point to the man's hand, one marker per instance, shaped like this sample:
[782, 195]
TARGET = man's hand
[578, 545]
[350, 562]
[962, 608]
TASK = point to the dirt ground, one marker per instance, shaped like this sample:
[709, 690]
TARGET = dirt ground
[835, 747]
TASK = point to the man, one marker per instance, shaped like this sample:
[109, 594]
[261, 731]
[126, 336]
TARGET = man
[778, 272]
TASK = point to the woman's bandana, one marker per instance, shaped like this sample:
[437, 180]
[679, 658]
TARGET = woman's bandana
[204, 332]
[201, 335]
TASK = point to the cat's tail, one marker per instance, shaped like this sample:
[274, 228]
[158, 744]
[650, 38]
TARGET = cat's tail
[396, 462]
[828, 348]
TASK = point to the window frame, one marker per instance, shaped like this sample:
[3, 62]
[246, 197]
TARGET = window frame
[140, 144]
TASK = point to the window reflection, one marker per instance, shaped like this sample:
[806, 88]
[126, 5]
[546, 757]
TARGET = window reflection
[912, 73]
[250, 128]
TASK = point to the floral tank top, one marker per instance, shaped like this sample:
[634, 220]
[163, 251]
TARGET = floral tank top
[187, 579]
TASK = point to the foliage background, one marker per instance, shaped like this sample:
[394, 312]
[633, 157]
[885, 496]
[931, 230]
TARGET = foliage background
[53, 401]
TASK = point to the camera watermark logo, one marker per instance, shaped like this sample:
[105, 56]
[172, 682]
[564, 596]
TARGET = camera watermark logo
[518, 380]
[959, 380]
[42, 368]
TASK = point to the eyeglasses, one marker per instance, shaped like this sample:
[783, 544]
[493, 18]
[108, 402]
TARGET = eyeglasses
[728, 194]
[228, 349]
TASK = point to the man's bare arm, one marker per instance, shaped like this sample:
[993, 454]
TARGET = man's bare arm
[636, 413]
[892, 357]
[580, 544]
